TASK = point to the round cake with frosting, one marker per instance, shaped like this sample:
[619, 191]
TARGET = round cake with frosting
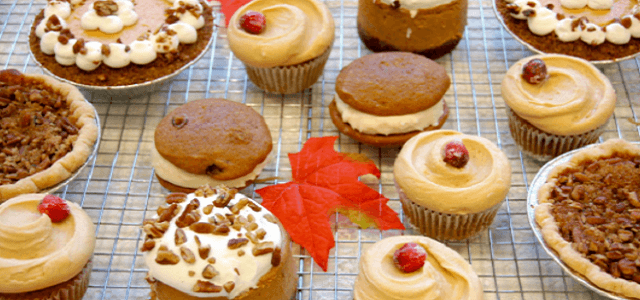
[595, 30]
[287, 52]
[440, 273]
[451, 185]
[217, 244]
[119, 42]
[432, 28]
[383, 99]
[568, 108]
[44, 252]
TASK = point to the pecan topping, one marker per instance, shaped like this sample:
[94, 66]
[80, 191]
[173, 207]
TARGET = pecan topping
[237, 243]
[209, 272]
[167, 213]
[207, 209]
[176, 198]
[166, 257]
[180, 238]
[192, 273]
[235, 209]
[105, 8]
[276, 257]
[263, 248]
[187, 255]
[202, 227]
[260, 233]
[203, 251]
[240, 253]
[148, 245]
[225, 196]
[211, 260]
[154, 229]
[255, 207]
[206, 287]
[190, 215]
[229, 286]
[593, 208]
[271, 218]
[53, 24]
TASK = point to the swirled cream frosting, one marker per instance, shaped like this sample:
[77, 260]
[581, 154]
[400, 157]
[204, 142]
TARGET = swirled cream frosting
[36, 253]
[296, 31]
[445, 275]
[575, 98]
[422, 174]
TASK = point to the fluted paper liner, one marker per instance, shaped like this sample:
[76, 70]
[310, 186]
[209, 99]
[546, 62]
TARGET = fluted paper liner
[544, 146]
[444, 226]
[289, 79]
[72, 289]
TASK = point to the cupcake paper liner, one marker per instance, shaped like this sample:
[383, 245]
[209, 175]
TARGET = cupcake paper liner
[543, 146]
[444, 226]
[73, 289]
[289, 79]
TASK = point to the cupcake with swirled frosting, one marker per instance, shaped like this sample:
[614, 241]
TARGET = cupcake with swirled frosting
[451, 185]
[556, 103]
[284, 45]
[46, 244]
[416, 268]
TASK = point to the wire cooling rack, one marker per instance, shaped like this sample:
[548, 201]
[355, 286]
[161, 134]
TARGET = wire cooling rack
[118, 189]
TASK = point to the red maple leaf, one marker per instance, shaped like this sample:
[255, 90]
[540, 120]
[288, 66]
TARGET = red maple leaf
[323, 182]
[228, 7]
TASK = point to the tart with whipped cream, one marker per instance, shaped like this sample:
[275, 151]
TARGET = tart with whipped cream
[48, 131]
[46, 245]
[432, 28]
[384, 99]
[589, 214]
[217, 244]
[210, 141]
[451, 184]
[287, 52]
[596, 30]
[387, 272]
[119, 42]
[556, 103]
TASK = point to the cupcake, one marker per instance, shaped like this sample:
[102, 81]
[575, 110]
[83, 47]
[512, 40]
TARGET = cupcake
[45, 137]
[588, 214]
[556, 103]
[217, 244]
[451, 185]
[46, 244]
[119, 42]
[284, 45]
[415, 267]
[384, 99]
[427, 27]
[210, 141]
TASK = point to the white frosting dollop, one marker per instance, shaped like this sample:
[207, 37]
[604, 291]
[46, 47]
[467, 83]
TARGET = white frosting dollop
[250, 268]
[90, 57]
[123, 16]
[60, 8]
[186, 33]
[48, 42]
[386, 125]
[118, 56]
[542, 21]
[41, 29]
[165, 41]
[64, 53]
[197, 21]
[142, 52]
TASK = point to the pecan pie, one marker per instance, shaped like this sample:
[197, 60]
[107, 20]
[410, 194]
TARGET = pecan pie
[589, 213]
[47, 131]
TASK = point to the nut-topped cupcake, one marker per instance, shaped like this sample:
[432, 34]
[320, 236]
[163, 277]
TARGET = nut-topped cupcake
[556, 103]
[415, 267]
[217, 244]
[451, 185]
[46, 244]
[284, 44]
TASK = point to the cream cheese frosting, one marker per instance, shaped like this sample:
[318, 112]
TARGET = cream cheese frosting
[445, 275]
[414, 5]
[386, 125]
[296, 31]
[36, 253]
[57, 38]
[543, 20]
[245, 271]
[427, 180]
[171, 173]
[575, 98]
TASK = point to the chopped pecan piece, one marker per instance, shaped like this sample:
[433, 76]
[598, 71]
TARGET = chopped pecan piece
[203, 251]
[271, 218]
[276, 257]
[235, 209]
[209, 272]
[237, 243]
[187, 255]
[263, 248]
[166, 257]
[229, 286]
[180, 237]
[189, 215]
[202, 227]
[176, 198]
[206, 287]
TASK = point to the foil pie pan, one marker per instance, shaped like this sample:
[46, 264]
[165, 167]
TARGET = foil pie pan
[532, 202]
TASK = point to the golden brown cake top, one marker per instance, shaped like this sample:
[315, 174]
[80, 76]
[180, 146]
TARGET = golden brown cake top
[221, 138]
[392, 83]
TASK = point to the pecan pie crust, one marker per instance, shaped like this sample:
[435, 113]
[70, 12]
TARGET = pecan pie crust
[47, 130]
[589, 214]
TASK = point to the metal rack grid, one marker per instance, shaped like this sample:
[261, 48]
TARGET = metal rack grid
[118, 188]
